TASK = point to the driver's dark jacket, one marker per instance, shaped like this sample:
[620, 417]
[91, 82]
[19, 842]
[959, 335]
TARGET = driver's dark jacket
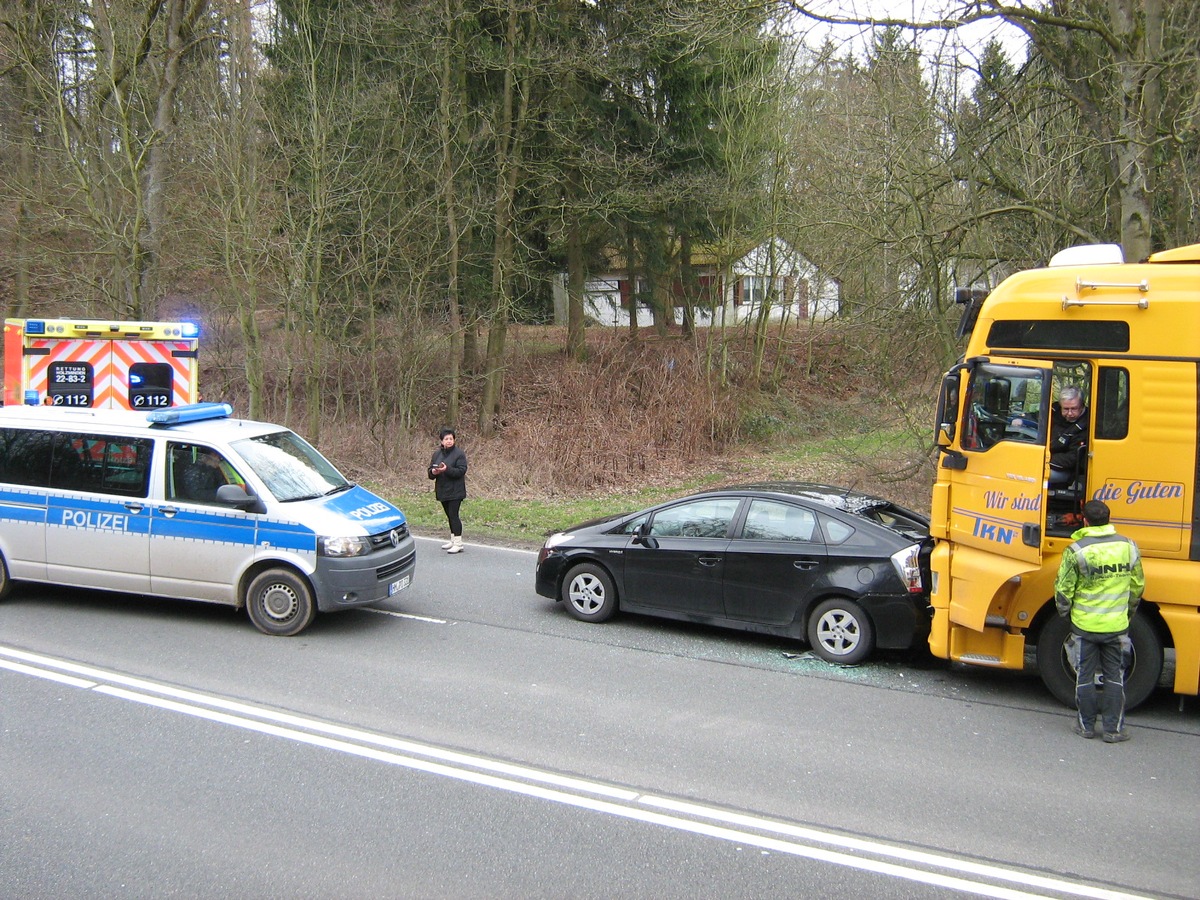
[1066, 439]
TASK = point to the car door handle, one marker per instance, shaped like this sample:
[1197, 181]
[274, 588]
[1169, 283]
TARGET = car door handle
[134, 508]
[169, 511]
[804, 564]
[709, 560]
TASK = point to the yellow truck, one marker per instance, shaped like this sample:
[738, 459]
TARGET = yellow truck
[1125, 339]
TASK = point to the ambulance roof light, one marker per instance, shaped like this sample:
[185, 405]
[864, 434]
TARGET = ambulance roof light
[192, 412]
[35, 326]
[189, 329]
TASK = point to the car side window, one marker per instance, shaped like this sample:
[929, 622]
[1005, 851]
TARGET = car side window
[101, 464]
[770, 520]
[194, 473]
[836, 531]
[707, 518]
[632, 525]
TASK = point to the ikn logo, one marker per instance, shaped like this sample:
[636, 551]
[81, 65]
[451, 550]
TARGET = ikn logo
[990, 531]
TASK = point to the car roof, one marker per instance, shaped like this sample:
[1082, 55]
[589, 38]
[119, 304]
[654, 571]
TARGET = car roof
[125, 422]
[842, 498]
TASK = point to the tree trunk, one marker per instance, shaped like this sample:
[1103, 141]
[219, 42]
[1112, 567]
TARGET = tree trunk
[575, 283]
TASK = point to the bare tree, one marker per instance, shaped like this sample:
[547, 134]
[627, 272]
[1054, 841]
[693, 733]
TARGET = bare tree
[1128, 66]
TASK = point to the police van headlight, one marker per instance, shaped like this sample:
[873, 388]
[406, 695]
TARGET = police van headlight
[345, 546]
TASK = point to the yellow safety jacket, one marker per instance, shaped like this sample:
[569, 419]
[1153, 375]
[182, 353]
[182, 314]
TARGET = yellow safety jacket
[1100, 580]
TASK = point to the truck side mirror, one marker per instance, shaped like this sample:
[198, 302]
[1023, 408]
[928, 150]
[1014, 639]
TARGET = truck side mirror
[947, 409]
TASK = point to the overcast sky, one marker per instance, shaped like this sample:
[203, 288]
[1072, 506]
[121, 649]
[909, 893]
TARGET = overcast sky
[965, 43]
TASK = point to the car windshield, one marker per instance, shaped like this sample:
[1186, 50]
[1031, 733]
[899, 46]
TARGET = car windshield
[290, 467]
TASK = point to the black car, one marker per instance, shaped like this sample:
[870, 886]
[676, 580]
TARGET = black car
[845, 571]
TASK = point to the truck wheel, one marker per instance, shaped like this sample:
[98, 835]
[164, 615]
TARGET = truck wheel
[280, 602]
[1058, 671]
[589, 593]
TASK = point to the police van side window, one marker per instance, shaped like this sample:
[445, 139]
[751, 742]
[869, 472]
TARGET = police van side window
[195, 472]
[25, 457]
[101, 464]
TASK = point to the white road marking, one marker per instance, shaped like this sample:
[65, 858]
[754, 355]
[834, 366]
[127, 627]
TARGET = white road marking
[483, 546]
[582, 793]
[400, 615]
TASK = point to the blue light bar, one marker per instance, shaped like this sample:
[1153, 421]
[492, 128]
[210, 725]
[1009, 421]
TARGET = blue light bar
[189, 329]
[35, 326]
[192, 412]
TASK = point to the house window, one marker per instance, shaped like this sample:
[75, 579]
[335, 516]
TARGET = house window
[754, 289]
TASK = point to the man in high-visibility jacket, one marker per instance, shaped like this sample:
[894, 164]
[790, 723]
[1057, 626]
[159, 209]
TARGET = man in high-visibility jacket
[1099, 584]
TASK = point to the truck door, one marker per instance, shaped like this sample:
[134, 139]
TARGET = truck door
[998, 480]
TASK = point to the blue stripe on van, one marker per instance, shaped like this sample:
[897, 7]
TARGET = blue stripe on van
[102, 514]
[22, 506]
[203, 525]
[233, 528]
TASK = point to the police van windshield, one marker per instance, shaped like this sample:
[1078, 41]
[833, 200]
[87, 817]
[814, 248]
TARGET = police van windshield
[290, 467]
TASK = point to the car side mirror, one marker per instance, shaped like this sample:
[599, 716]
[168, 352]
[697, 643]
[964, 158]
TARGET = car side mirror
[239, 497]
[644, 537]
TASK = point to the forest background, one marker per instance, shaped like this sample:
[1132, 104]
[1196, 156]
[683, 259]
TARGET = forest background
[365, 204]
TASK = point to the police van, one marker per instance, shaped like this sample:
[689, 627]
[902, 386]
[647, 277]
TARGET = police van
[189, 502]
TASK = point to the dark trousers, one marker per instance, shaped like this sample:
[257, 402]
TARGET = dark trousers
[1106, 652]
[451, 508]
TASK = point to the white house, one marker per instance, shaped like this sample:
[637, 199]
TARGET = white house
[800, 290]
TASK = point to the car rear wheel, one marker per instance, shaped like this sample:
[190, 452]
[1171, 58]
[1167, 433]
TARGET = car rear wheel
[589, 593]
[1057, 668]
[839, 631]
[280, 602]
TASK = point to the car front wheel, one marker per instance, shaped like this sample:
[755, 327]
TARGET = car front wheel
[839, 631]
[589, 593]
[280, 602]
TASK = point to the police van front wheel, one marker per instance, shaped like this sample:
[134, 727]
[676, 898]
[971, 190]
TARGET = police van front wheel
[5, 581]
[1057, 668]
[280, 602]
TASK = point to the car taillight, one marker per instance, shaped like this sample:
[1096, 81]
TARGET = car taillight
[908, 567]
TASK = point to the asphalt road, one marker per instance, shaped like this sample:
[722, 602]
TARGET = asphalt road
[471, 739]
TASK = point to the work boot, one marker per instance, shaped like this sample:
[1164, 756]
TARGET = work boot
[456, 544]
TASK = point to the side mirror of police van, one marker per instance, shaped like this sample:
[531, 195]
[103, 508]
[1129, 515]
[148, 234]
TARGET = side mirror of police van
[239, 497]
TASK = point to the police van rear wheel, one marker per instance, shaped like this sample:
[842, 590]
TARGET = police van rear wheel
[5, 581]
[280, 602]
[1057, 670]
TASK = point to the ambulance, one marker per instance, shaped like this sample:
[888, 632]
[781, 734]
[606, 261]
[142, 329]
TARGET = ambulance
[192, 503]
[89, 363]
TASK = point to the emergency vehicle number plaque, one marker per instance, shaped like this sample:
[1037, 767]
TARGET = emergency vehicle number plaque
[69, 383]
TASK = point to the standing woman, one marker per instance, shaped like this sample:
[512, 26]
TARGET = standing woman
[448, 471]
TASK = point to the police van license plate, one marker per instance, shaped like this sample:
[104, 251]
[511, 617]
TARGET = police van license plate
[397, 586]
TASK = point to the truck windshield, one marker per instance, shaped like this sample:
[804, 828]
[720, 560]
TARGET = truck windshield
[290, 467]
